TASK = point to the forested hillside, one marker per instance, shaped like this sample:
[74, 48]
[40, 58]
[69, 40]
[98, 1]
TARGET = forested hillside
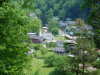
[59, 8]
[49, 37]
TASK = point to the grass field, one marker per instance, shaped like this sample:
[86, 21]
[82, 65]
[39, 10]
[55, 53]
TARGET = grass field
[39, 67]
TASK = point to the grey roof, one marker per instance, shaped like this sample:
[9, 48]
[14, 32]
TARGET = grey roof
[62, 24]
[68, 19]
[70, 22]
[59, 43]
[45, 27]
[66, 23]
[88, 27]
[34, 36]
[32, 15]
[59, 49]
[70, 41]
[47, 36]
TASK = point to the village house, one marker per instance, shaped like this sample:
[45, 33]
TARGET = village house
[47, 36]
[43, 37]
[35, 38]
[66, 27]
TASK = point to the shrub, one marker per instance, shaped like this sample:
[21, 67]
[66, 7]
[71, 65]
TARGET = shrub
[57, 61]
[51, 44]
[97, 64]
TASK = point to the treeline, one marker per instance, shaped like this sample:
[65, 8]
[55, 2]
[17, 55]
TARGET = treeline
[59, 8]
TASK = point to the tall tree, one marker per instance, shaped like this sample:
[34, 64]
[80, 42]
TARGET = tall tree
[94, 18]
[85, 46]
[53, 25]
[14, 25]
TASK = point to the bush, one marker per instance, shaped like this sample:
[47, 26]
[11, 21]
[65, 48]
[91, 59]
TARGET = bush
[36, 46]
[97, 72]
[51, 44]
[97, 64]
[55, 30]
[49, 60]
[44, 51]
[61, 62]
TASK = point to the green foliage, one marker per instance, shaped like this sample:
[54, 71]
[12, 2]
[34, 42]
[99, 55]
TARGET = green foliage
[37, 25]
[54, 25]
[97, 64]
[62, 64]
[44, 51]
[55, 31]
[94, 18]
[55, 72]
[36, 46]
[90, 3]
[97, 72]
[62, 9]
[40, 50]
[34, 25]
[84, 49]
[49, 61]
[14, 25]
[51, 44]
[27, 5]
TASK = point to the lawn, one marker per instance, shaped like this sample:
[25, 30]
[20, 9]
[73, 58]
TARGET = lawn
[60, 38]
[39, 67]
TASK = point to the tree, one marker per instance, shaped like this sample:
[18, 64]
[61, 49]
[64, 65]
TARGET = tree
[85, 51]
[61, 9]
[28, 5]
[36, 25]
[84, 48]
[94, 18]
[54, 25]
[14, 25]
[90, 3]
[2, 1]
[62, 64]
